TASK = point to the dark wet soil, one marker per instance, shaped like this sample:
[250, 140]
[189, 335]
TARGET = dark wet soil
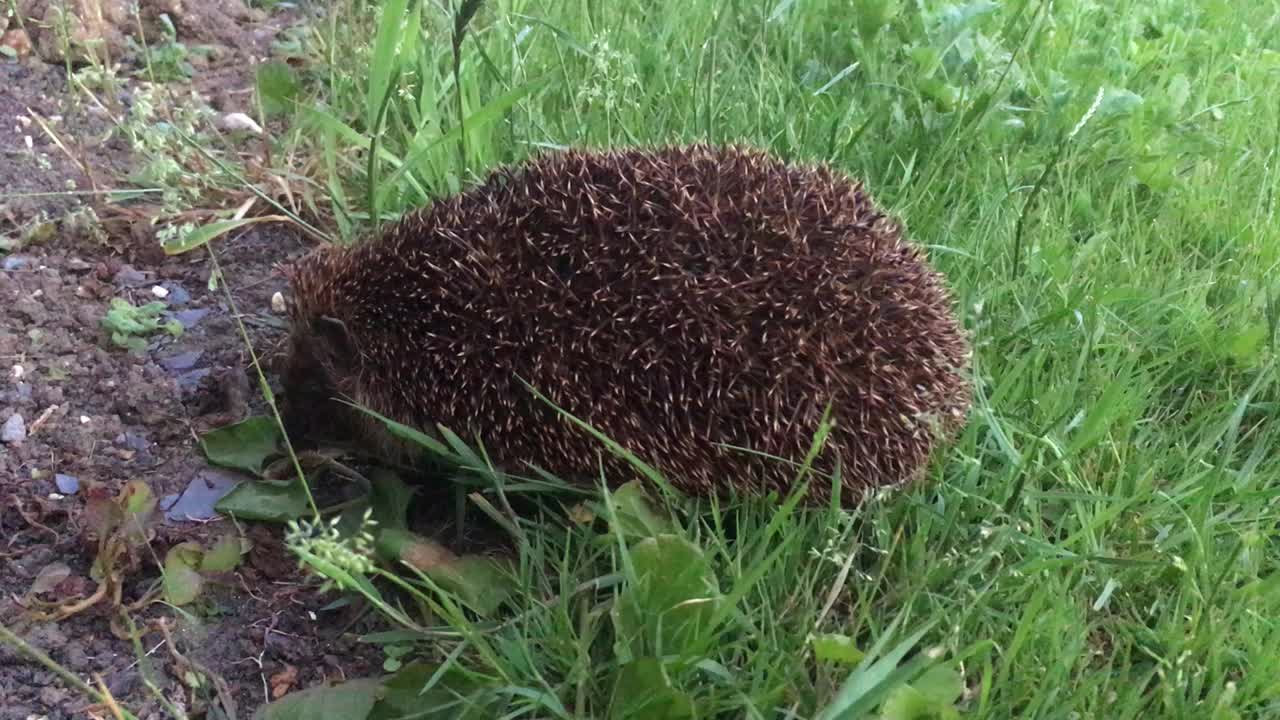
[89, 412]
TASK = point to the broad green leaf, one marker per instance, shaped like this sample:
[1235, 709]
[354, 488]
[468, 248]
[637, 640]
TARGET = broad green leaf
[941, 684]
[351, 700]
[873, 15]
[930, 696]
[400, 545]
[1118, 101]
[450, 695]
[672, 607]
[244, 445]
[837, 648]
[906, 703]
[389, 497]
[943, 94]
[137, 499]
[479, 581]
[182, 584]
[274, 500]
[1159, 173]
[927, 59]
[634, 515]
[643, 691]
[223, 556]
[1246, 346]
[1179, 92]
[954, 18]
[138, 505]
[277, 88]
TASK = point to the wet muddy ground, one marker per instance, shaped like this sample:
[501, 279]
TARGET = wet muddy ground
[76, 411]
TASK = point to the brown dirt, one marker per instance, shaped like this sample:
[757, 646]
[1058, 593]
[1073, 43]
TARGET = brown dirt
[99, 414]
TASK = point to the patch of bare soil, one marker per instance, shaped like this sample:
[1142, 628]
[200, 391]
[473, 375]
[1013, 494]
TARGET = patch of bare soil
[77, 410]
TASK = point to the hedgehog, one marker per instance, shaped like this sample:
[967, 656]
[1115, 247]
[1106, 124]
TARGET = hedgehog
[705, 307]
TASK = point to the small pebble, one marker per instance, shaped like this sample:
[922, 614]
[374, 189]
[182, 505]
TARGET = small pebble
[85, 420]
[134, 440]
[178, 295]
[197, 500]
[128, 276]
[15, 262]
[189, 318]
[239, 121]
[277, 303]
[181, 361]
[159, 291]
[67, 484]
[189, 382]
[14, 430]
[17, 372]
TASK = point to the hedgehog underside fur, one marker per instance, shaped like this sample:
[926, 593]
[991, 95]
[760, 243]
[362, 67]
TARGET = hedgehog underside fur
[677, 299]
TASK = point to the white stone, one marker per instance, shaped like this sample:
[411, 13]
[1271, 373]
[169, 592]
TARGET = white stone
[14, 430]
[240, 121]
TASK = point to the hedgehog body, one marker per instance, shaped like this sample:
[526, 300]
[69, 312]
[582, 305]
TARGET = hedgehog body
[701, 306]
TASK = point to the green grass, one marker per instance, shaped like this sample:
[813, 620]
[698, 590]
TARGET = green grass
[1099, 182]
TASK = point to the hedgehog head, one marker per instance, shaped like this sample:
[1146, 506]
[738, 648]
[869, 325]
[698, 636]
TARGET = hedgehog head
[323, 356]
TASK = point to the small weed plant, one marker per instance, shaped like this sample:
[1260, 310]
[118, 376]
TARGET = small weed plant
[129, 324]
